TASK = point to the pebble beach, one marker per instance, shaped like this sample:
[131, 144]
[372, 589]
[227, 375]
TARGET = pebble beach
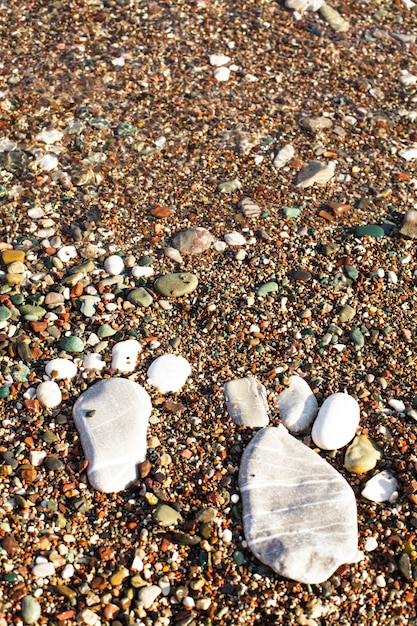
[235, 184]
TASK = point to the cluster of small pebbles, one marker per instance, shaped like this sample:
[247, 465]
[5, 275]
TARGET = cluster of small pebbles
[233, 185]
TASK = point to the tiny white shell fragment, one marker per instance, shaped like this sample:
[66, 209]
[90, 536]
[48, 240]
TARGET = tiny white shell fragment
[66, 253]
[169, 373]
[380, 487]
[222, 74]
[49, 394]
[219, 59]
[60, 369]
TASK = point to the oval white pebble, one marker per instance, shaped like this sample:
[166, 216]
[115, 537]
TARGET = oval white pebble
[68, 571]
[380, 487]
[218, 59]
[49, 394]
[114, 265]
[125, 354]
[42, 570]
[234, 239]
[380, 581]
[397, 405]
[169, 373]
[61, 369]
[227, 535]
[336, 422]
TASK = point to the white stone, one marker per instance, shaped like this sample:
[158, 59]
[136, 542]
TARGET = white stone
[336, 422]
[66, 253]
[114, 265]
[316, 172]
[143, 270]
[48, 162]
[234, 239]
[49, 136]
[299, 513]
[43, 570]
[227, 535]
[61, 369]
[246, 402]
[408, 153]
[304, 5]
[68, 571]
[37, 457]
[219, 59]
[93, 362]
[169, 373]
[381, 487]
[370, 544]
[222, 74]
[148, 595]
[397, 405]
[49, 394]
[380, 581]
[285, 154]
[111, 418]
[124, 355]
[407, 78]
[297, 405]
[174, 255]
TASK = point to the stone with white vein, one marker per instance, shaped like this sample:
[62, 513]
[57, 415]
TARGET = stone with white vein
[297, 405]
[111, 418]
[169, 372]
[246, 402]
[336, 422]
[299, 513]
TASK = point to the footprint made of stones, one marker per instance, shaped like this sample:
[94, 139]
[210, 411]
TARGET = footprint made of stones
[111, 418]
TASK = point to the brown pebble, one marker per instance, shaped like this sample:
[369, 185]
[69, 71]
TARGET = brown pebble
[144, 468]
[302, 275]
[160, 211]
[326, 215]
[10, 544]
[38, 327]
[28, 473]
[110, 611]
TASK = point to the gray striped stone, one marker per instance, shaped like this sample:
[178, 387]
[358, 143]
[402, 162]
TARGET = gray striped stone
[299, 513]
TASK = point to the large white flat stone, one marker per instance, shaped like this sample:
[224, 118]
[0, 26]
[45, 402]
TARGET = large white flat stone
[297, 405]
[111, 418]
[299, 513]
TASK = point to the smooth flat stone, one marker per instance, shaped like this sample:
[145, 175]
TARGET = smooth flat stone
[169, 372]
[176, 285]
[336, 422]
[409, 225]
[299, 513]
[10, 256]
[31, 610]
[381, 487]
[49, 394]
[266, 288]
[111, 418]
[72, 344]
[246, 402]
[362, 455]
[124, 355]
[297, 405]
[315, 172]
[140, 297]
[61, 369]
[193, 240]
[369, 230]
[114, 265]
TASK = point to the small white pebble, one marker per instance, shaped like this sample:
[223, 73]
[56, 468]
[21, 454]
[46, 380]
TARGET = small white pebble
[254, 328]
[370, 544]
[234, 239]
[219, 59]
[222, 74]
[114, 265]
[227, 535]
[392, 277]
[68, 572]
[219, 246]
[381, 272]
[380, 581]
[66, 253]
[145, 270]
[397, 405]
[49, 394]
[188, 602]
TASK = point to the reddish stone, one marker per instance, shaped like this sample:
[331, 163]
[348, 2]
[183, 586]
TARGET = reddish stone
[326, 215]
[10, 544]
[110, 611]
[38, 327]
[160, 212]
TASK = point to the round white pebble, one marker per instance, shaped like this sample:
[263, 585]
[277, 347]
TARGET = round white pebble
[227, 535]
[336, 422]
[234, 239]
[49, 394]
[222, 74]
[61, 369]
[68, 571]
[380, 581]
[169, 373]
[370, 544]
[66, 253]
[114, 265]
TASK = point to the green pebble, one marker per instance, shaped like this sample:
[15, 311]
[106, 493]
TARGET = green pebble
[292, 211]
[20, 373]
[31, 610]
[239, 557]
[4, 391]
[266, 288]
[357, 338]
[140, 297]
[351, 272]
[5, 313]
[145, 261]
[369, 230]
[10, 578]
[32, 313]
[4, 192]
[124, 129]
[105, 331]
[17, 299]
[72, 344]
[167, 516]
[176, 285]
